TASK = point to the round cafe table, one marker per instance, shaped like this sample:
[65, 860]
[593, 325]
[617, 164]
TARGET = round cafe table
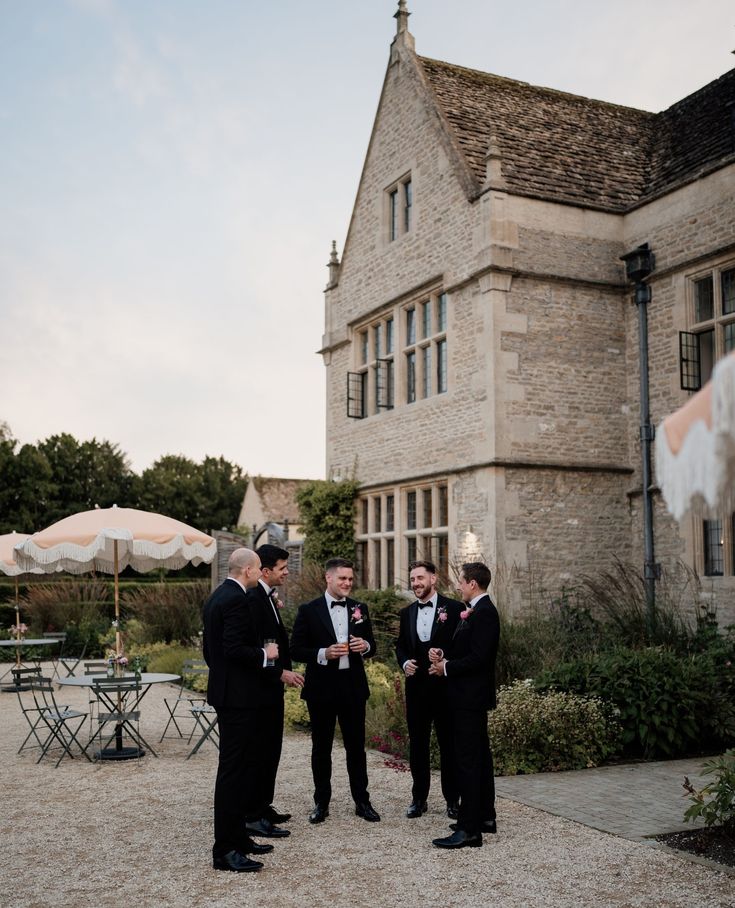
[147, 679]
[19, 644]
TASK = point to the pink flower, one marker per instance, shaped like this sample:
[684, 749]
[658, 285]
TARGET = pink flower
[275, 600]
[464, 615]
[441, 614]
[357, 614]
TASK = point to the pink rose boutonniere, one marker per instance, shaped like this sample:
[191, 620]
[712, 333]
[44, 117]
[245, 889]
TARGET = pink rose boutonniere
[441, 614]
[275, 600]
[464, 615]
[357, 616]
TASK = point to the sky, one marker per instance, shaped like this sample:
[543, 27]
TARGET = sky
[173, 172]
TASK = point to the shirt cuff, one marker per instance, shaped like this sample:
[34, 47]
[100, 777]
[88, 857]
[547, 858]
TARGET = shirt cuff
[445, 668]
[366, 651]
[265, 659]
[404, 665]
[320, 657]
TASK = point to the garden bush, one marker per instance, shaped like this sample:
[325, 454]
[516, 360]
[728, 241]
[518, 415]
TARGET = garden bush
[171, 612]
[715, 802]
[545, 732]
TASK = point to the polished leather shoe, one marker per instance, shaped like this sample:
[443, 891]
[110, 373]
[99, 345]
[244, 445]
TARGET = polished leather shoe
[459, 839]
[265, 829]
[235, 862]
[367, 812]
[416, 810]
[452, 809]
[319, 814]
[275, 817]
[489, 826]
[252, 847]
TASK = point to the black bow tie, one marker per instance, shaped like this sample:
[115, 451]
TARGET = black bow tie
[428, 604]
[338, 602]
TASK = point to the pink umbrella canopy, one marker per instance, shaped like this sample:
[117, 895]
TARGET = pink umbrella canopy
[111, 539]
[695, 446]
[9, 566]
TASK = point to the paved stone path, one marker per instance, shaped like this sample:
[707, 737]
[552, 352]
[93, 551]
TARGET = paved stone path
[634, 801]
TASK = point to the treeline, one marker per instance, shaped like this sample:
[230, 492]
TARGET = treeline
[42, 483]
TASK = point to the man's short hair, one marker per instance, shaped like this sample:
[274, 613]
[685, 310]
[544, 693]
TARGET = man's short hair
[333, 563]
[477, 571]
[270, 555]
[426, 565]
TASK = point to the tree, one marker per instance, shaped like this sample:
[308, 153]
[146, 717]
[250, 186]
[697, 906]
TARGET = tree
[327, 511]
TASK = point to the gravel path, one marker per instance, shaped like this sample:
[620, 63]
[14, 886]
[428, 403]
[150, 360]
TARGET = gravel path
[140, 833]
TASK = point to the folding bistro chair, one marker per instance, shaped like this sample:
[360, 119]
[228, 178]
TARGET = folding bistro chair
[56, 656]
[22, 678]
[61, 722]
[206, 719]
[115, 709]
[179, 707]
[71, 663]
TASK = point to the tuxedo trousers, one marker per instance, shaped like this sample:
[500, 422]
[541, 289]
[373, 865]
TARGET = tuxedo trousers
[271, 742]
[237, 798]
[427, 705]
[475, 773]
[349, 710]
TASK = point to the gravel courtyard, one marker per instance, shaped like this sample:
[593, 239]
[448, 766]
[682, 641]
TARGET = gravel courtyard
[89, 835]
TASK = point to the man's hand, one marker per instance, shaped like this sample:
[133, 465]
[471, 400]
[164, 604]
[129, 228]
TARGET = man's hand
[358, 645]
[292, 679]
[435, 654]
[336, 651]
[437, 668]
[410, 667]
[271, 650]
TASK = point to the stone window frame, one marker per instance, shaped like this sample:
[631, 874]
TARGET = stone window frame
[385, 549]
[399, 207]
[425, 354]
[716, 554]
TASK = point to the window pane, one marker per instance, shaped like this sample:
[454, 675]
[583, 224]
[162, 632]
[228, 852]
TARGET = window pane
[443, 506]
[410, 377]
[390, 381]
[703, 299]
[361, 565]
[407, 205]
[364, 392]
[426, 363]
[441, 312]
[393, 215]
[390, 517]
[714, 560]
[442, 556]
[427, 508]
[377, 564]
[410, 327]
[730, 337]
[411, 510]
[706, 354]
[376, 341]
[389, 336]
[441, 366]
[364, 515]
[363, 347]
[426, 319]
[728, 291]
[390, 565]
[411, 547]
[377, 527]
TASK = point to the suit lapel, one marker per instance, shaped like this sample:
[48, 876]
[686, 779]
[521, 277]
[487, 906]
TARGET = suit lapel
[323, 611]
[413, 611]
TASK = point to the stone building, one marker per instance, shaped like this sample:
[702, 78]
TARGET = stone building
[481, 341]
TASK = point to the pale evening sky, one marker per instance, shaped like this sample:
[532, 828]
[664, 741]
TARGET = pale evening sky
[172, 173]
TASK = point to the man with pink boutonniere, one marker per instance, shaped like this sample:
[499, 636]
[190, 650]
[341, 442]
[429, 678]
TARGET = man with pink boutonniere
[468, 664]
[426, 624]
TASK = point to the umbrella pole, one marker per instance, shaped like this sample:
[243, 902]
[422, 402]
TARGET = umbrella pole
[118, 639]
[17, 626]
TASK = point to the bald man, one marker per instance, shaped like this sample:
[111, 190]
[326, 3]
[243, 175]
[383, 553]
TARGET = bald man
[237, 664]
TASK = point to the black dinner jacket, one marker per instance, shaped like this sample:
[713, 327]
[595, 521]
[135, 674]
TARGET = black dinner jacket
[312, 631]
[471, 658]
[442, 632]
[269, 626]
[232, 649]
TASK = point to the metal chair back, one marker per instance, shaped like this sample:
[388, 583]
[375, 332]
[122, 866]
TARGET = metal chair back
[61, 722]
[117, 702]
[179, 707]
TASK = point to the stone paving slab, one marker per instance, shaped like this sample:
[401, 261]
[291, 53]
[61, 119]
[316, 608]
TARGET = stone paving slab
[634, 801]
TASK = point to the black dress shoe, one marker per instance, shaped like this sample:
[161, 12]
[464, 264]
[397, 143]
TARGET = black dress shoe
[367, 812]
[265, 829]
[489, 826]
[452, 809]
[416, 810]
[252, 847]
[275, 817]
[319, 814]
[235, 862]
[459, 839]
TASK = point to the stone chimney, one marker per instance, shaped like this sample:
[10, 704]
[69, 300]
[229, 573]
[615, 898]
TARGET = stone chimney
[333, 265]
[403, 35]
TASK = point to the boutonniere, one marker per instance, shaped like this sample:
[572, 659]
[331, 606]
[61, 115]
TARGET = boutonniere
[275, 600]
[464, 615]
[356, 615]
[441, 613]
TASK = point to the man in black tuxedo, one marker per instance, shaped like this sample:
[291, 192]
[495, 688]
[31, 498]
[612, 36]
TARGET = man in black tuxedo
[265, 603]
[469, 666]
[237, 663]
[427, 623]
[332, 635]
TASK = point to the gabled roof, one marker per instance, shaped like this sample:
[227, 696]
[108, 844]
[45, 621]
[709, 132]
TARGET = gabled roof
[573, 149]
[278, 497]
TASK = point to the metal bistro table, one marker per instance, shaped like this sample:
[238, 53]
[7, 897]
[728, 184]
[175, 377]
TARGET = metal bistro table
[147, 679]
[19, 644]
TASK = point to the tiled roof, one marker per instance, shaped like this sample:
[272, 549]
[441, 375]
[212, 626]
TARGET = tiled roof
[573, 149]
[278, 497]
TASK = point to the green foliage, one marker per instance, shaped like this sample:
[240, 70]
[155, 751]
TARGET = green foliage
[669, 703]
[167, 611]
[384, 606]
[82, 608]
[534, 732]
[327, 514]
[295, 710]
[715, 802]
[385, 717]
